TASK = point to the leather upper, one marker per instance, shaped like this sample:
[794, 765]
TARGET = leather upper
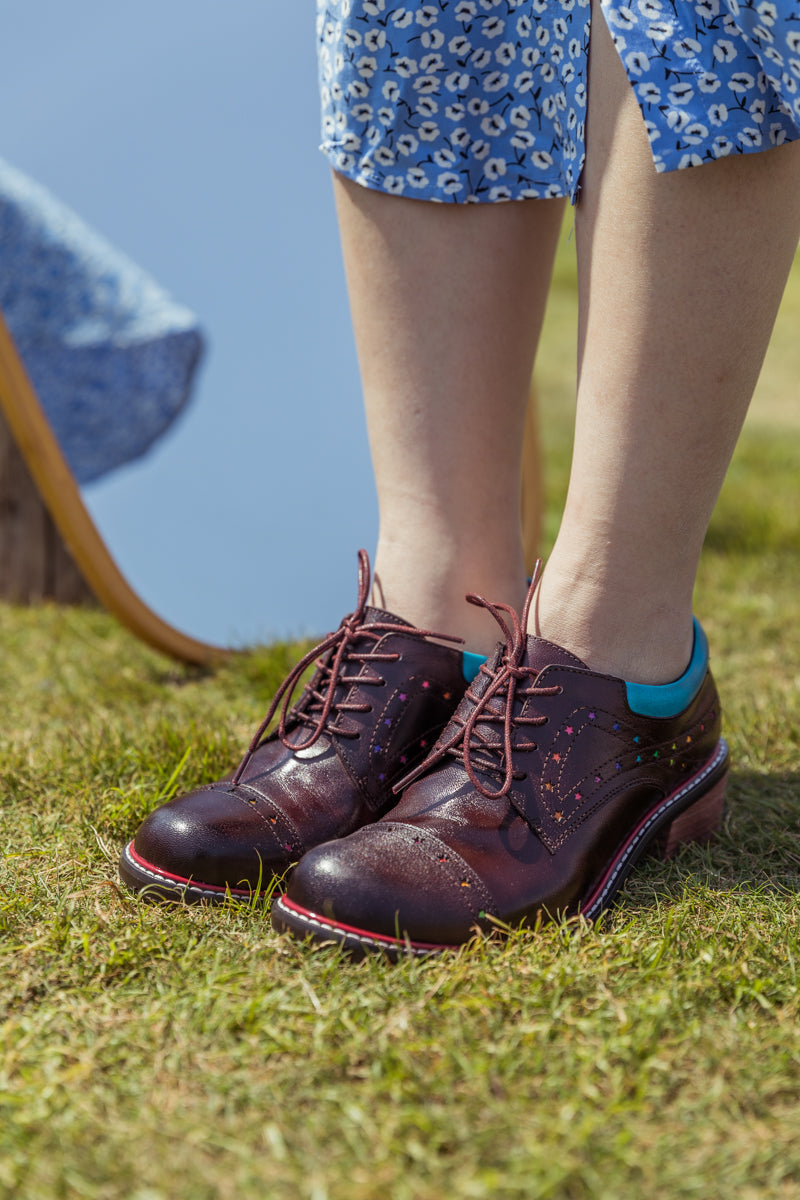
[511, 840]
[394, 693]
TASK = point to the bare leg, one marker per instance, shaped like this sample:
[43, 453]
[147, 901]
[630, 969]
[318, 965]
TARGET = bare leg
[681, 276]
[447, 304]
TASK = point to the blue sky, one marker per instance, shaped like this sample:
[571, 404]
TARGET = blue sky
[186, 133]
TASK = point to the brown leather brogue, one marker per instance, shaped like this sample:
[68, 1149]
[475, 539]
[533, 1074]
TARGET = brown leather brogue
[379, 698]
[545, 789]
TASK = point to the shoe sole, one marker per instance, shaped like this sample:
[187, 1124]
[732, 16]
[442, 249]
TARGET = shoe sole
[163, 887]
[684, 816]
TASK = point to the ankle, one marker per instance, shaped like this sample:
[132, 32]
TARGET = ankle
[430, 591]
[616, 631]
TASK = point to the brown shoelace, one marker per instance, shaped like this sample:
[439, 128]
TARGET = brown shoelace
[317, 706]
[470, 744]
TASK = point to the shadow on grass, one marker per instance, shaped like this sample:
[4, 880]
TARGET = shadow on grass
[756, 850]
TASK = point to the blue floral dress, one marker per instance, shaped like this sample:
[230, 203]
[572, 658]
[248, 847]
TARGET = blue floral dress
[485, 100]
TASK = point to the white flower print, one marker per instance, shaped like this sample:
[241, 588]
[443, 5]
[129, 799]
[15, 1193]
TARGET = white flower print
[444, 157]
[637, 62]
[450, 183]
[427, 15]
[680, 94]
[407, 144]
[742, 81]
[724, 51]
[406, 67]
[493, 27]
[695, 133]
[494, 168]
[495, 82]
[427, 107]
[493, 125]
[465, 10]
[477, 107]
[432, 39]
[708, 82]
[469, 101]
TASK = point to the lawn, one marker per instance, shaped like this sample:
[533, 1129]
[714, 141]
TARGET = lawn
[157, 1054]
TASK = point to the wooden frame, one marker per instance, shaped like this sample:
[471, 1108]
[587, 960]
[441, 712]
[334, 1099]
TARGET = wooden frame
[61, 494]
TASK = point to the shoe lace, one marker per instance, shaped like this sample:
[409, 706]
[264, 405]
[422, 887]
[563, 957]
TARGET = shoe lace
[473, 740]
[317, 706]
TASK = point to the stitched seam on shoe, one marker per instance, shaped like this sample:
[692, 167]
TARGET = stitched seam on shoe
[669, 803]
[216, 890]
[363, 939]
[299, 845]
[450, 856]
[576, 821]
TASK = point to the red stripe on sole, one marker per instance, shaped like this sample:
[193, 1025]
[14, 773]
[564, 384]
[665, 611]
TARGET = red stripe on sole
[152, 869]
[390, 942]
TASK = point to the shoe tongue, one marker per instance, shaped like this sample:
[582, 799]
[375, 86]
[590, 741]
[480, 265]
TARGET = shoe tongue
[540, 654]
[381, 614]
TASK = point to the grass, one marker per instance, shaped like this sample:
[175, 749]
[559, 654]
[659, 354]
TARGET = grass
[154, 1055]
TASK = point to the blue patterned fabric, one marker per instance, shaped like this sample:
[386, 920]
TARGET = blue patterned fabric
[485, 100]
[110, 355]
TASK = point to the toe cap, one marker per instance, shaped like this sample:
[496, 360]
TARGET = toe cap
[393, 880]
[213, 836]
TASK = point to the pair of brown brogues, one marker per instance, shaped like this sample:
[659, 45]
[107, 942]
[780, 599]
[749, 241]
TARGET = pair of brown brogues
[424, 796]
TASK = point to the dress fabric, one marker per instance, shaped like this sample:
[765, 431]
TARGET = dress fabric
[474, 101]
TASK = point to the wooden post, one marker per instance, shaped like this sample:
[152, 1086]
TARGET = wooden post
[35, 564]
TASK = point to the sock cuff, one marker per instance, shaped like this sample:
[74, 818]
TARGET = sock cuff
[670, 699]
[471, 664]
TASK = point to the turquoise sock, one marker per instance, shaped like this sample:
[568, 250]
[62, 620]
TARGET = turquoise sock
[670, 699]
[471, 664]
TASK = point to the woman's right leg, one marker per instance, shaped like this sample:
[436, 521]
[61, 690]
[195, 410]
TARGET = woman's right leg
[447, 303]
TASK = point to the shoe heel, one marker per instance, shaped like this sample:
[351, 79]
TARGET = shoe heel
[698, 823]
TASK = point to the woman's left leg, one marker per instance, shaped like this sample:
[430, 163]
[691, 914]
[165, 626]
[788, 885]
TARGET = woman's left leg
[680, 277]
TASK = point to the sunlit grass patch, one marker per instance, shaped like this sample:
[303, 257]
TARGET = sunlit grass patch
[155, 1052]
